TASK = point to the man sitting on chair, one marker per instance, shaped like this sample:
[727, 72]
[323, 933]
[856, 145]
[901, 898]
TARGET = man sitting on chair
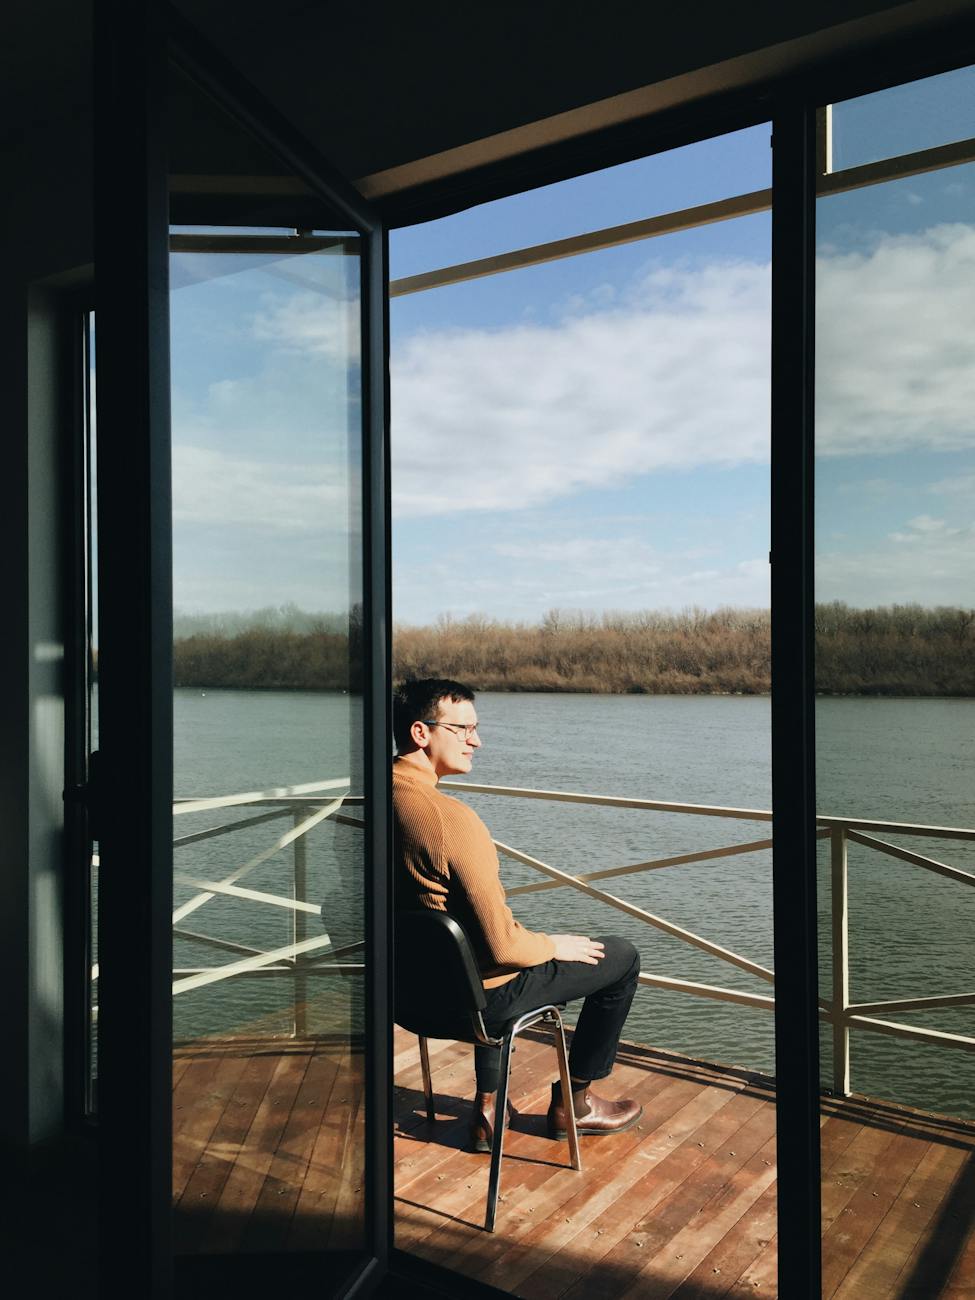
[444, 859]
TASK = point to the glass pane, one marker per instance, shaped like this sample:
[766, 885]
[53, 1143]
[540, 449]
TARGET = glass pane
[919, 115]
[581, 512]
[703, 172]
[895, 491]
[91, 618]
[268, 858]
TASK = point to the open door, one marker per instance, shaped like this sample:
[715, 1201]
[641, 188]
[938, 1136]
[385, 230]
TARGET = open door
[243, 1059]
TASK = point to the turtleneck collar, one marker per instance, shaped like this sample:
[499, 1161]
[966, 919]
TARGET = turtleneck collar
[426, 776]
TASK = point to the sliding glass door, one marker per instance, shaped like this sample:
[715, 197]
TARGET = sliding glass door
[895, 679]
[242, 619]
[269, 853]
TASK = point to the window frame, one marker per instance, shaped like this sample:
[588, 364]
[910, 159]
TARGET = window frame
[132, 47]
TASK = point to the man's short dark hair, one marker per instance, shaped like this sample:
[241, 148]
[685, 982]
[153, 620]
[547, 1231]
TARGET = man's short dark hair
[418, 700]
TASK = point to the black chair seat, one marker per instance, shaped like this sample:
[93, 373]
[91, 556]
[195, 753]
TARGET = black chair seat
[438, 993]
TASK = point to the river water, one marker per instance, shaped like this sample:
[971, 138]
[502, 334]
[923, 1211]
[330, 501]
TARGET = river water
[897, 760]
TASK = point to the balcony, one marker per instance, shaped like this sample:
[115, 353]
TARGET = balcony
[268, 1125]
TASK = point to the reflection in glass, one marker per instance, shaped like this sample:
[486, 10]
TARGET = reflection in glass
[919, 115]
[90, 533]
[268, 857]
[895, 671]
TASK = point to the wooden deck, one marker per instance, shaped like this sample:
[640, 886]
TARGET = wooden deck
[683, 1205]
[268, 1157]
[267, 1146]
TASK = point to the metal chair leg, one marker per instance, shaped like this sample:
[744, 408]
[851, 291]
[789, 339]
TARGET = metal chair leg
[570, 1124]
[427, 1080]
[500, 1124]
[550, 1014]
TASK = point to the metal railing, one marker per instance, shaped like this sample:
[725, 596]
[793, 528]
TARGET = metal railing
[307, 955]
[842, 1014]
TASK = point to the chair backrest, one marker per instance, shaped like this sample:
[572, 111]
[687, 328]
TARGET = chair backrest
[437, 988]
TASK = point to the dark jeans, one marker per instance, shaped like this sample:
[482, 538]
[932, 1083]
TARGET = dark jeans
[608, 988]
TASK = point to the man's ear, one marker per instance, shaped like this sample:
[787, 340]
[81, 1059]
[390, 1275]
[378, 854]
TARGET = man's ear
[420, 734]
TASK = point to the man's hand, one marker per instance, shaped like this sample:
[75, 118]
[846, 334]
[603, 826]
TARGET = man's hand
[576, 947]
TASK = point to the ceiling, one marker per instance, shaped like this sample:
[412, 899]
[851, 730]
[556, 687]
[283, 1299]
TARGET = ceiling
[381, 86]
[400, 95]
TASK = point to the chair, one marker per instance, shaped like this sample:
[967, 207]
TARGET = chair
[438, 994]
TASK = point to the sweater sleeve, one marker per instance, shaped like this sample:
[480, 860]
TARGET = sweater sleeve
[473, 865]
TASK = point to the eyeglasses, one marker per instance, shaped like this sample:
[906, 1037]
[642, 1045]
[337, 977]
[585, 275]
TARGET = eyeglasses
[469, 729]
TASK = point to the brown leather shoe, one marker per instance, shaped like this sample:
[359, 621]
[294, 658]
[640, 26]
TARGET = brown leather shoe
[482, 1120]
[595, 1116]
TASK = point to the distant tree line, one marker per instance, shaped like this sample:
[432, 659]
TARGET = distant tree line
[267, 658]
[640, 653]
[272, 618]
[893, 650]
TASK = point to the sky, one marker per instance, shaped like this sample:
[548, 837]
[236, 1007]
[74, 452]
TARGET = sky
[593, 434]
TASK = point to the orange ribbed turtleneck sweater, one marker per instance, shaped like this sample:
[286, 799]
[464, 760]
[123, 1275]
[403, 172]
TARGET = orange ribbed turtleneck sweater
[444, 859]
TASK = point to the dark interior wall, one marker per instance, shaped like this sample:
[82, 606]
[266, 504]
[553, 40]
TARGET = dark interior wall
[45, 65]
[46, 228]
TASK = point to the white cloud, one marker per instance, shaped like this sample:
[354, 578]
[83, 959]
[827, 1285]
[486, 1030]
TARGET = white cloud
[217, 488]
[626, 572]
[588, 555]
[669, 373]
[961, 484]
[674, 373]
[265, 429]
[874, 487]
[268, 449]
[677, 375]
[895, 351]
[312, 323]
[926, 565]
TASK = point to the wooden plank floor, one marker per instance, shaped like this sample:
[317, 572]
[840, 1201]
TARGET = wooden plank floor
[682, 1205]
[267, 1156]
[267, 1145]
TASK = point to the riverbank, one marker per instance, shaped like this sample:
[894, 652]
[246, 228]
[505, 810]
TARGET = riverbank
[888, 651]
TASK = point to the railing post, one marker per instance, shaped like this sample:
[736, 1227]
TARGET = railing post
[299, 930]
[839, 893]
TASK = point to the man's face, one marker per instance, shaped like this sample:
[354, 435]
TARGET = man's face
[449, 747]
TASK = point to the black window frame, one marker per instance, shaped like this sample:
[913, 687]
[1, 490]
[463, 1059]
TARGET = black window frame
[134, 46]
[76, 310]
[133, 43]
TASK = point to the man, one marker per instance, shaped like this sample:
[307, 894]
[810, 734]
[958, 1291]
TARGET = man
[445, 860]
